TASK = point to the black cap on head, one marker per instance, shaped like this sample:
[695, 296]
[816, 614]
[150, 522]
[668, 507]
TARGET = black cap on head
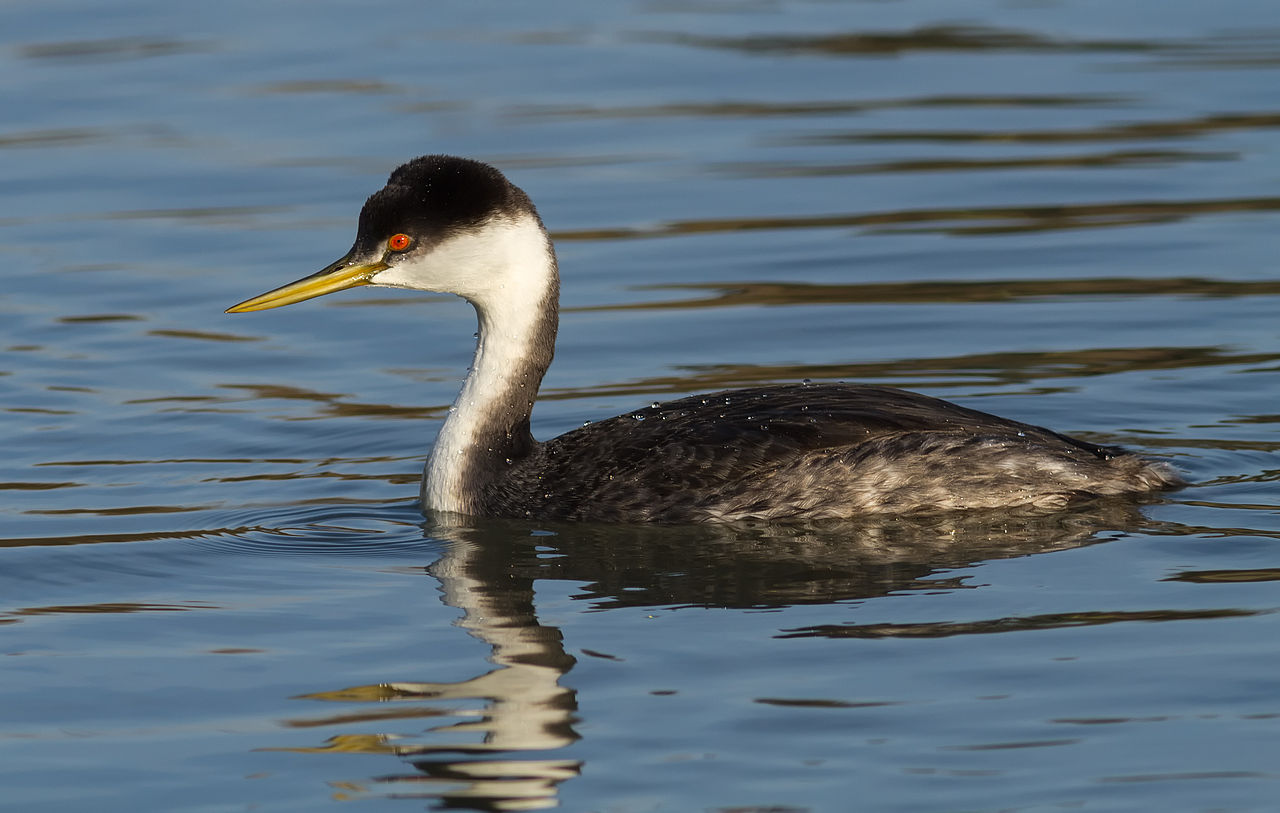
[437, 195]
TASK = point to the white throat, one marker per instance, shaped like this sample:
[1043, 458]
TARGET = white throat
[507, 270]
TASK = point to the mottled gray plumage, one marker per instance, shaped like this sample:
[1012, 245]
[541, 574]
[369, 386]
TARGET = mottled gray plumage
[812, 451]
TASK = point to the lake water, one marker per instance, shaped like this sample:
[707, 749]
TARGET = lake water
[217, 592]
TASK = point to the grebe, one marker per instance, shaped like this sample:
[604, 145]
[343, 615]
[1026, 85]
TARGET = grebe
[805, 451]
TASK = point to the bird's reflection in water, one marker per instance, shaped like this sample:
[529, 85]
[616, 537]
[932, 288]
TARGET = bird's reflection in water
[503, 756]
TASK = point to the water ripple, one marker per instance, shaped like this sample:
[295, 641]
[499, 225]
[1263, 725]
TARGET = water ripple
[328, 529]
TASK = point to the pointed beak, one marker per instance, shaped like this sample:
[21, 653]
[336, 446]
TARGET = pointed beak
[337, 277]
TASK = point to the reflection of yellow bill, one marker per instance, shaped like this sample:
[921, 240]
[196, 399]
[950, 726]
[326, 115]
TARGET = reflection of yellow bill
[346, 743]
[336, 277]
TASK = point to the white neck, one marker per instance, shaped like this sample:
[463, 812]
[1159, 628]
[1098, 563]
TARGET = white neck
[507, 270]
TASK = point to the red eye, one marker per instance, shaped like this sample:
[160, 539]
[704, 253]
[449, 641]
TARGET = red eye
[399, 242]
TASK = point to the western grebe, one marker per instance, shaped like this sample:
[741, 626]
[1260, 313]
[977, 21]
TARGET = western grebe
[811, 451]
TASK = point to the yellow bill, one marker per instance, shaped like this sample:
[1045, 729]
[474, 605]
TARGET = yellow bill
[336, 277]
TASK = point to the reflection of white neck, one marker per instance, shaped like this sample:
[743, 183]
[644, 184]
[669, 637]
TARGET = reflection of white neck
[529, 709]
[525, 709]
[507, 270]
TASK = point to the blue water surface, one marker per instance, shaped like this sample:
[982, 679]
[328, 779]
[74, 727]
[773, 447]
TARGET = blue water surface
[217, 591]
